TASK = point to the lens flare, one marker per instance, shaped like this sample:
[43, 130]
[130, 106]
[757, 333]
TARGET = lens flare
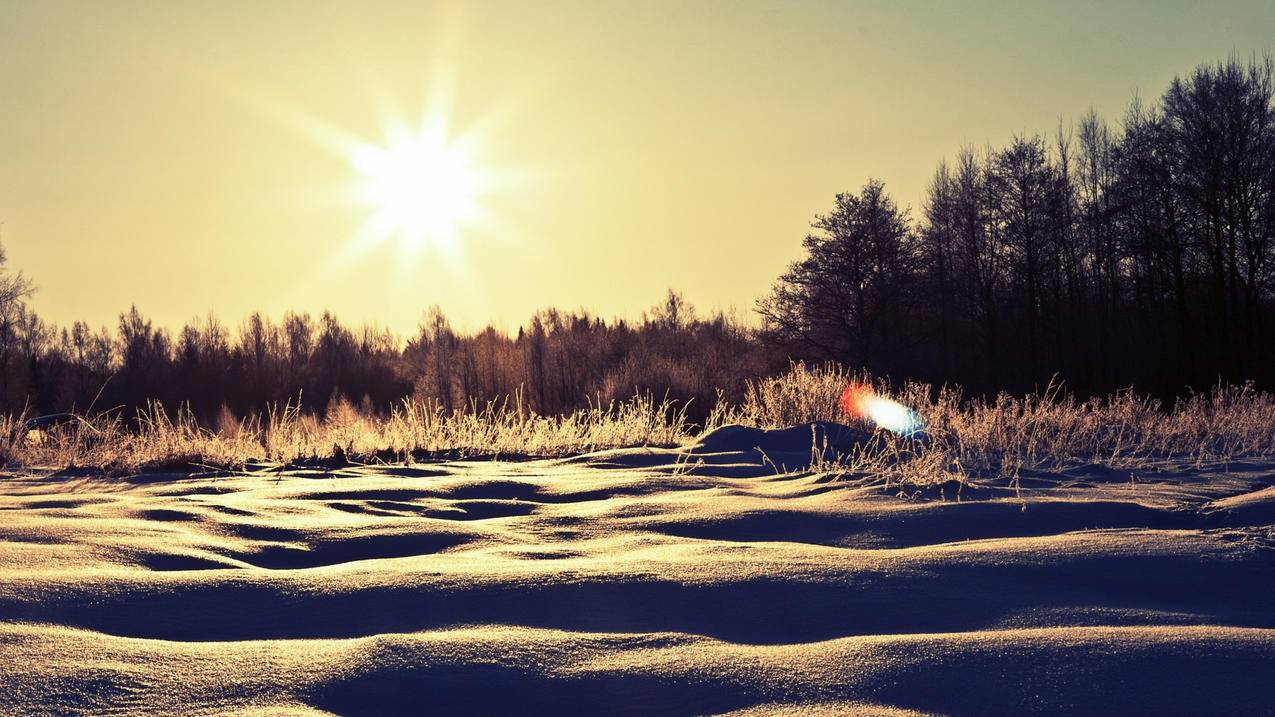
[862, 402]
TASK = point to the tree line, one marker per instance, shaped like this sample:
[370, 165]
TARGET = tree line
[559, 362]
[1136, 254]
[1139, 254]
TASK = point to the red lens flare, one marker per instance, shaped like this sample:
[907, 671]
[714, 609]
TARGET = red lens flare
[854, 400]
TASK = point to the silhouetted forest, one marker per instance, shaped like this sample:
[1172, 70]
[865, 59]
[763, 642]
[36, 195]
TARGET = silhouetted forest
[560, 362]
[1138, 253]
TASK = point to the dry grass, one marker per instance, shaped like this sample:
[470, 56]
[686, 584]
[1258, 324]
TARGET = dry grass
[1000, 437]
[1008, 434]
[285, 434]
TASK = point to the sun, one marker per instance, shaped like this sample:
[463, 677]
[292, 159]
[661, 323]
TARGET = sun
[421, 188]
[427, 187]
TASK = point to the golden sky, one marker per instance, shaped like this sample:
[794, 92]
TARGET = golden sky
[189, 157]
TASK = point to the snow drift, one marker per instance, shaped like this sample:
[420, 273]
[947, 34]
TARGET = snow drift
[626, 582]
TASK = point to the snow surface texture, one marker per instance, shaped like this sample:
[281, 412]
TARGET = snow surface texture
[639, 581]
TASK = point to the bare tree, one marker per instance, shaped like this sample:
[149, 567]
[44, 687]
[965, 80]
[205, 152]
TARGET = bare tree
[840, 300]
[15, 289]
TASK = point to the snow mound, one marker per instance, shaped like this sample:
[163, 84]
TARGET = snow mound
[821, 436]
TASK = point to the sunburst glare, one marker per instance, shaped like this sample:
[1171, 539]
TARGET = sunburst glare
[421, 188]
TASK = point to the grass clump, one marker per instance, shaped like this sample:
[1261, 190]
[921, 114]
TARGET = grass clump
[1007, 434]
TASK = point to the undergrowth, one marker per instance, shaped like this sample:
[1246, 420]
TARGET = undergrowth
[962, 437]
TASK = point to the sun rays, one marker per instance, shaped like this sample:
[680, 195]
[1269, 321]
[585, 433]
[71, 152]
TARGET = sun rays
[421, 189]
[424, 189]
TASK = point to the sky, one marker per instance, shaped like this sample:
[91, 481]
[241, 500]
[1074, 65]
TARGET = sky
[196, 157]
